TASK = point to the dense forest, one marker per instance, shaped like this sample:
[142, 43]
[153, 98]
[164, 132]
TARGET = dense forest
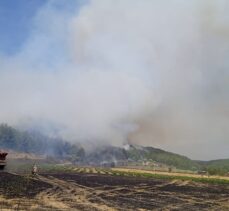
[35, 142]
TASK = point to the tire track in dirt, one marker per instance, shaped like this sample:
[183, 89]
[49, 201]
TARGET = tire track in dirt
[66, 195]
[151, 194]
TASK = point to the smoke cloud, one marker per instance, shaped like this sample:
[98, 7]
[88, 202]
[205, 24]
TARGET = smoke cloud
[113, 71]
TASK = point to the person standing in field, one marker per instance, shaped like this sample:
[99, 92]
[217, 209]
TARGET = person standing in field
[34, 170]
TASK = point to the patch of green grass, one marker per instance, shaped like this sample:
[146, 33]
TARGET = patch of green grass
[172, 177]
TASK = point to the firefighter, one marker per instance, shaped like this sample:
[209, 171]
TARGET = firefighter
[34, 170]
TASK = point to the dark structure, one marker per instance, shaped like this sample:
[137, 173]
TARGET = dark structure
[3, 160]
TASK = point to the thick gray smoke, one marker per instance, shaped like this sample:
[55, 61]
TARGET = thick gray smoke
[147, 72]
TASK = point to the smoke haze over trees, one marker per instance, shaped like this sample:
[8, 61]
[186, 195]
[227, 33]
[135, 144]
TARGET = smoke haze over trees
[57, 149]
[35, 142]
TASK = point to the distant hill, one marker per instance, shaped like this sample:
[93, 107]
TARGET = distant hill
[161, 156]
[34, 142]
[220, 166]
[139, 154]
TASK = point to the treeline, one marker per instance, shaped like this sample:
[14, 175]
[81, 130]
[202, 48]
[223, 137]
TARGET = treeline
[216, 167]
[139, 154]
[35, 142]
[161, 156]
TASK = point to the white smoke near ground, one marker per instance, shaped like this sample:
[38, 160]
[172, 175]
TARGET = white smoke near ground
[117, 71]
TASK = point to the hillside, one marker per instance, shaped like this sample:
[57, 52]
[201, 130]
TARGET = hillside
[134, 153]
[34, 142]
[220, 166]
[161, 156]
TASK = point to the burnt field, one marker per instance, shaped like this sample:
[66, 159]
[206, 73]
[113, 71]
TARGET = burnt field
[88, 191]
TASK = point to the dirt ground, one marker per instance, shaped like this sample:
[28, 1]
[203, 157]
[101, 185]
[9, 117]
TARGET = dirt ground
[78, 191]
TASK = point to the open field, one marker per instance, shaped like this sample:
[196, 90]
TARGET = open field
[173, 174]
[137, 173]
[105, 189]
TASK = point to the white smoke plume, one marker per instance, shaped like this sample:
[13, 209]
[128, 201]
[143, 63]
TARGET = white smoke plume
[148, 72]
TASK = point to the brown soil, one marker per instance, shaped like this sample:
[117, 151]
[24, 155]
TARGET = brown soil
[79, 191]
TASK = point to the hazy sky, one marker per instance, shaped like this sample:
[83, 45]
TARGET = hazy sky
[149, 72]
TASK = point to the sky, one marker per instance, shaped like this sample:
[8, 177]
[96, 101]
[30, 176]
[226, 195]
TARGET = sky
[149, 72]
[15, 19]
